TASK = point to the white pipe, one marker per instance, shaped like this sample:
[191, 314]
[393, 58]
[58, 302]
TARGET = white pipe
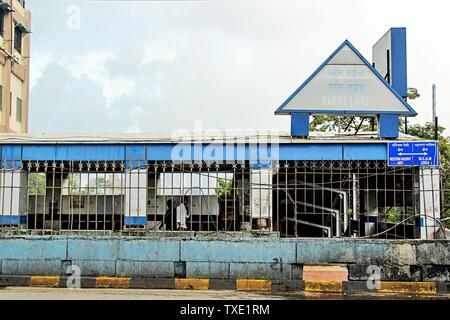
[327, 229]
[345, 213]
[355, 194]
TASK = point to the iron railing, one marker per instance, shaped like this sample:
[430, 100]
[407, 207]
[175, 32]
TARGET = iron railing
[288, 198]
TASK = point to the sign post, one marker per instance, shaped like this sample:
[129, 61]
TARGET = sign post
[418, 153]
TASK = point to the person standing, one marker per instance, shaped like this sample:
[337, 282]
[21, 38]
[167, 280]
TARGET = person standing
[182, 215]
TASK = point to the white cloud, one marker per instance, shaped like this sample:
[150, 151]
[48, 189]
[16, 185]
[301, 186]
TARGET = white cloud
[41, 60]
[158, 51]
[93, 66]
[229, 64]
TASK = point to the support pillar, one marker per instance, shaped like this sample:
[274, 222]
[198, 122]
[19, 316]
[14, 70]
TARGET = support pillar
[13, 197]
[388, 126]
[300, 124]
[261, 197]
[136, 197]
[429, 202]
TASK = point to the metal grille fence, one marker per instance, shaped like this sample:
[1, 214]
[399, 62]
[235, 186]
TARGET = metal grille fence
[288, 198]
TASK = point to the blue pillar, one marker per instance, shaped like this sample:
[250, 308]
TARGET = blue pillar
[388, 126]
[299, 124]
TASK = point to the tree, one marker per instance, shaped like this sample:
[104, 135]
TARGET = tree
[413, 93]
[224, 188]
[36, 184]
[427, 132]
[341, 124]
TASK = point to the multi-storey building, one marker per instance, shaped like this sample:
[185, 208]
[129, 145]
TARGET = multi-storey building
[15, 21]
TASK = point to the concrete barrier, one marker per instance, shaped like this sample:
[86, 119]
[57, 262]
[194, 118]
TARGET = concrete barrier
[278, 260]
[255, 285]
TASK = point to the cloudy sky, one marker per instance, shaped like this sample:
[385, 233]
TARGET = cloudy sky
[157, 66]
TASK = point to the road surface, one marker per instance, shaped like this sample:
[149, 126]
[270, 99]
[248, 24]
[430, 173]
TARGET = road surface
[31, 293]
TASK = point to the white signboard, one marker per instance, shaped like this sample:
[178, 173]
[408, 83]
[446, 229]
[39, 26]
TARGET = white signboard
[346, 83]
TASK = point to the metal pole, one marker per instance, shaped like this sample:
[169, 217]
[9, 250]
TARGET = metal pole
[435, 118]
[434, 102]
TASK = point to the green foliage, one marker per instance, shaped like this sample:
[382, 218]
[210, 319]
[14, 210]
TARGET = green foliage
[97, 185]
[427, 132]
[224, 188]
[413, 93]
[36, 184]
[394, 215]
[339, 124]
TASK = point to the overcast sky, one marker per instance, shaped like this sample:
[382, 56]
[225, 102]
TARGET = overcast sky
[158, 66]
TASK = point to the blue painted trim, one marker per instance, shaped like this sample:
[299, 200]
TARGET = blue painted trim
[135, 152]
[38, 152]
[362, 152]
[13, 220]
[422, 223]
[237, 152]
[90, 152]
[280, 110]
[310, 152]
[299, 124]
[399, 61]
[11, 152]
[388, 126]
[135, 221]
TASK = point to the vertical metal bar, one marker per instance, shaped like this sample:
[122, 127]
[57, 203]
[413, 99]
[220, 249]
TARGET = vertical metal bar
[36, 186]
[234, 197]
[80, 192]
[113, 197]
[260, 197]
[123, 193]
[61, 202]
[88, 196]
[11, 193]
[191, 212]
[28, 195]
[53, 197]
[97, 167]
[217, 182]
[44, 202]
[3, 177]
[163, 188]
[277, 168]
[155, 190]
[173, 204]
[201, 195]
[286, 194]
[208, 168]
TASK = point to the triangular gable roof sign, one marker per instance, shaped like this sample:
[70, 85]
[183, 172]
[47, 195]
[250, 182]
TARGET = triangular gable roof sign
[346, 83]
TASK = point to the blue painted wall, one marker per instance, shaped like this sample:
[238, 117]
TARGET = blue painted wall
[134, 154]
[207, 258]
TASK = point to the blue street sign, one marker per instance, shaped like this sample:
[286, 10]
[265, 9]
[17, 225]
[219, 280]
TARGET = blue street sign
[424, 153]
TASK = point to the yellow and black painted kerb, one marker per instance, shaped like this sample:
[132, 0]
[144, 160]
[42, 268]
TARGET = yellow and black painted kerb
[252, 285]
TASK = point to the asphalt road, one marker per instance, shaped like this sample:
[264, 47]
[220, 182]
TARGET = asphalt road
[28, 293]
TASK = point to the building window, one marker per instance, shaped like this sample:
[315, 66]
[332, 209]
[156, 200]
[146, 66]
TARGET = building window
[19, 110]
[2, 23]
[18, 34]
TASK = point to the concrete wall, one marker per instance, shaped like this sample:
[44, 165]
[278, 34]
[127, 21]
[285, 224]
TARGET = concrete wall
[414, 260]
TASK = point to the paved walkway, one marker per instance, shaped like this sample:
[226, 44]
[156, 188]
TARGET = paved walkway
[27, 293]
